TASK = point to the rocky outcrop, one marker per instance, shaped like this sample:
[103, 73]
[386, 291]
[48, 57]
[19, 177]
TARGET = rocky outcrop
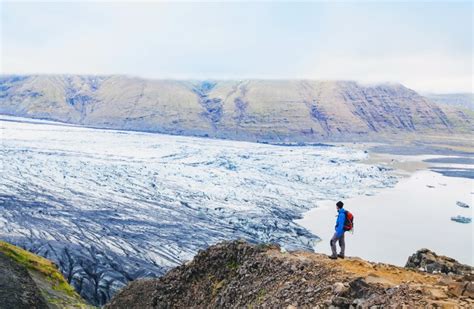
[427, 260]
[460, 279]
[239, 275]
[17, 289]
[251, 110]
[29, 281]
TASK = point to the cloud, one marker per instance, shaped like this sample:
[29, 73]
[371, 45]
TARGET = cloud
[431, 71]
[428, 47]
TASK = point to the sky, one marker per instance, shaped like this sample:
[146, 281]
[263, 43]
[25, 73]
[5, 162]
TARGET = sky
[427, 46]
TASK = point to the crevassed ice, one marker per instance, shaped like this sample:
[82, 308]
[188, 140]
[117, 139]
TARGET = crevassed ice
[110, 206]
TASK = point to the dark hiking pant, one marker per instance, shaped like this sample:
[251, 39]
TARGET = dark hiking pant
[342, 244]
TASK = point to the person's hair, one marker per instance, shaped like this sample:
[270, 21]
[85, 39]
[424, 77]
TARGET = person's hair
[339, 204]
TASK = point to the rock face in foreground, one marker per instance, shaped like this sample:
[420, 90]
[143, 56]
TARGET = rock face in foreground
[239, 275]
[30, 281]
[251, 110]
[17, 288]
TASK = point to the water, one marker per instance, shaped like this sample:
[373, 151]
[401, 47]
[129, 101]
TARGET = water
[393, 224]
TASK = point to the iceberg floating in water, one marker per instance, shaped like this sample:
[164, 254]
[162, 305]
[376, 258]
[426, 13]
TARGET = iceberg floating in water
[462, 204]
[461, 219]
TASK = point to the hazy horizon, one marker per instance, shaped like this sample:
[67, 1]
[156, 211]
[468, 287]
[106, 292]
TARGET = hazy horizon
[367, 42]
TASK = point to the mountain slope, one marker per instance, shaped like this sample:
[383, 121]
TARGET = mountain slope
[254, 110]
[239, 275]
[29, 281]
[460, 100]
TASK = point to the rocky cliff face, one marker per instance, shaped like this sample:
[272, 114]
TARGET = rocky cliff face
[239, 275]
[29, 281]
[17, 288]
[254, 110]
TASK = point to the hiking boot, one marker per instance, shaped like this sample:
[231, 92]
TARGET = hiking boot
[333, 257]
[340, 256]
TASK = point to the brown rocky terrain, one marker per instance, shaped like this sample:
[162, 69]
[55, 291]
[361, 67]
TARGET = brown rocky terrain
[251, 110]
[239, 275]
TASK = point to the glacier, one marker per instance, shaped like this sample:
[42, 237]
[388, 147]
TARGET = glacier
[111, 206]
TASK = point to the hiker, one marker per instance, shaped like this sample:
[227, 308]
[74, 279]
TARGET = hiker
[343, 224]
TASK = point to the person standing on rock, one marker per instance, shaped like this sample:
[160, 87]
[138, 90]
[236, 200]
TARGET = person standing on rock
[339, 234]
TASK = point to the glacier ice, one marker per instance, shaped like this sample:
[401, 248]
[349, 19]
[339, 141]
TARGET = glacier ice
[112, 206]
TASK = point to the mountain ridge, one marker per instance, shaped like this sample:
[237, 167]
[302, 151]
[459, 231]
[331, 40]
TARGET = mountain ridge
[251, 110]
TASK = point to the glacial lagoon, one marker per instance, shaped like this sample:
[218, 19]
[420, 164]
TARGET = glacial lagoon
[395, 222]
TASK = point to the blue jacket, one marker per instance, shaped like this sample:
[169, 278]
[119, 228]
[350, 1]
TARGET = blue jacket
[341, 219]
